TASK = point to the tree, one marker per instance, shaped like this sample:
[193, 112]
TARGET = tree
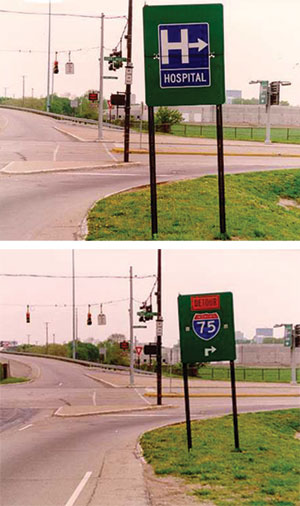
[164, 118]
[61, 105]
[84, 351]
[114, 354]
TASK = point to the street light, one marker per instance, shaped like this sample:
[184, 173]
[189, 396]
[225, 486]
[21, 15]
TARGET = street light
[271, 98]
[49, 45]
[291, 343]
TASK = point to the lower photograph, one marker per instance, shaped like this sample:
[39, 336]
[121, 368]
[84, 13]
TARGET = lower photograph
[149, 377]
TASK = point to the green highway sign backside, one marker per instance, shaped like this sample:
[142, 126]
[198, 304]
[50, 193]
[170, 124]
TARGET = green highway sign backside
[184, 54]
[206, 326]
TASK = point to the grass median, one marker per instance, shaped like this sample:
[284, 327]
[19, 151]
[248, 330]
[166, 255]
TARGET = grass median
[188, 210]
[265, 472]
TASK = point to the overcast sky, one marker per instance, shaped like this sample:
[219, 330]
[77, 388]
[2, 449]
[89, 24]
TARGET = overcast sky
[261, 42]
[265, 285]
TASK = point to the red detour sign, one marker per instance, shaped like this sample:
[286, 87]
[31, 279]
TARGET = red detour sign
[124, 345]
[139, 349]
[93, 96]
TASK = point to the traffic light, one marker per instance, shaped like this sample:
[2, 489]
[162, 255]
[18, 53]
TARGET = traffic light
[149, 315]
[111, 62]
[274, 92]
[297, 335]
[146, 313]
[27, 315]
[55, 67]
[118, 64]
[89, 316]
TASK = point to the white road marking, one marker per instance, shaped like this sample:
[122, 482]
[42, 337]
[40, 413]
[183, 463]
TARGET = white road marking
[26, 427]
[80, 487]
[6, 166]
[140, 395]
[55, 153]
[94, 398]
[109, 153]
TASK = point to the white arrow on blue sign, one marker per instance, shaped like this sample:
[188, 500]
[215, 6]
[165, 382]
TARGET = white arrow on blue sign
[184, 55]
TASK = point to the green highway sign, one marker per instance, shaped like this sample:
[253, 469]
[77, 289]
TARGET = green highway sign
[114, 58]
[206, 326]
[184, 54]
[263, 92]
[288, 335]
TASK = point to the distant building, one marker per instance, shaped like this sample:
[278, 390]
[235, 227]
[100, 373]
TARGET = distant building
[232, 94]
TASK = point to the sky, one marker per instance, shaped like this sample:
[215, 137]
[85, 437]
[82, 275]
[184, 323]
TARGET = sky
[264, 282]
[261, 43]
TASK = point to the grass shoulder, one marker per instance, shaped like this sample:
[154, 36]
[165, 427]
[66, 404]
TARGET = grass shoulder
[188, 210]
[265, 472]
[13, 380]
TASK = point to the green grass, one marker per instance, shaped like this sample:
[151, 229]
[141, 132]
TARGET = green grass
[189, 210]
[265, 472]
[281, 375]
[285, 135]
[13, 380]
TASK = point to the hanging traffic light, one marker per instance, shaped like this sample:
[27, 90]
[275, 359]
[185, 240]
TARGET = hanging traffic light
[89, 316]
[27, 315]
[111, 62]
[55, 67]
[118, 63]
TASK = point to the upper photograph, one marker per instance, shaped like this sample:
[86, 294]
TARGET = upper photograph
[161, 120]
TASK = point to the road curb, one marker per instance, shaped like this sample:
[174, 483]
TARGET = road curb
[175, 395]
[94, 410]
[206, 153]
[114, 165]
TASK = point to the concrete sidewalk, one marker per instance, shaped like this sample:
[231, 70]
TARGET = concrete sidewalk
[175, 144]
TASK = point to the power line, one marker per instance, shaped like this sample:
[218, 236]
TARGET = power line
[40, 51]
[61, 14]
[67, 305]
[50, 276]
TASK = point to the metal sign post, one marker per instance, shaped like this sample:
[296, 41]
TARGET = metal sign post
[184, 65]
[206, 327]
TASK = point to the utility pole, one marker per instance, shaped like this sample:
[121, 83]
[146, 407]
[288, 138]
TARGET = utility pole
[49, 51]
[128, 84]
[101, 59]
[73, 307]
[23, 90]
[53, 338]
[131, 328]
[28, 339]
[159, 329]
[47, 323]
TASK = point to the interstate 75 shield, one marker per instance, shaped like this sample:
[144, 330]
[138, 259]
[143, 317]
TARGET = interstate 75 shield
[206, 325]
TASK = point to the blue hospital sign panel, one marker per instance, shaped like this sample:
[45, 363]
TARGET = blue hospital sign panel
[184, 55]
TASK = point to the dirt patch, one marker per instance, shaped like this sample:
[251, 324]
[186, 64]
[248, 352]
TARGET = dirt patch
[170, 491]
[287, 203]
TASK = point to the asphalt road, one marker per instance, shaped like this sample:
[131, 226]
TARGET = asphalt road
[52, 206]
[44, 458]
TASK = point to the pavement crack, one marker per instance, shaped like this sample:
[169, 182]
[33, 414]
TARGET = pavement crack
[97, 480]
[21, 156]
[66, 402]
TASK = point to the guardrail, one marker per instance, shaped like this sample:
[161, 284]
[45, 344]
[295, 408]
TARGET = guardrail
[80, 362]
[61, 117]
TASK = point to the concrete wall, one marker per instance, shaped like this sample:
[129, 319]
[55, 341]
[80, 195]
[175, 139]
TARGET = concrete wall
[265, 355]
[252, 115]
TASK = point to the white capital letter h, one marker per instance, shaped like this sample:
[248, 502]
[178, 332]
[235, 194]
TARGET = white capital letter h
[183, 45]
